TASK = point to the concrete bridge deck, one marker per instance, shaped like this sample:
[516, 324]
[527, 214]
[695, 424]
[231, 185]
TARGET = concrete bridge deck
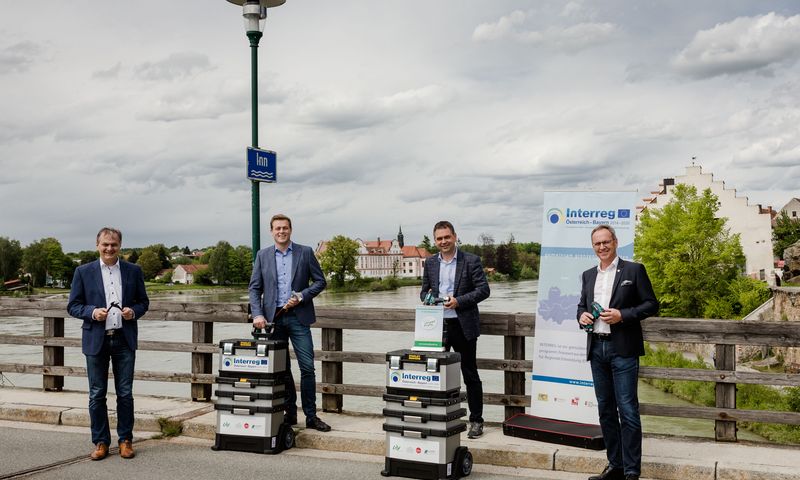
[45, 435]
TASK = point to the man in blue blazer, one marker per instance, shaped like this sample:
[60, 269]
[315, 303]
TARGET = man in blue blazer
[459, 276]
[624, 291]
[109, 296]
[286, 278]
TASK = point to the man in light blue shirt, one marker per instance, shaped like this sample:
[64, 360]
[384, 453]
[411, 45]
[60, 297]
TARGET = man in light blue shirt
[286, 278]
[459, 276]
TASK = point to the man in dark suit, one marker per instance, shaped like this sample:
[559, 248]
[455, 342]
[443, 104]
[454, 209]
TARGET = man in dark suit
[286, 278]
[459, 276]
[624, 291]
[109, 296]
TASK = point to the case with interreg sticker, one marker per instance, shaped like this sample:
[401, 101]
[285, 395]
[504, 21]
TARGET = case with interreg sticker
[252, 358]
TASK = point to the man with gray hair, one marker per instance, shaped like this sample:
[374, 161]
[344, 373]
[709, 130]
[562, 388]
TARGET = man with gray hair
[109, 296]
[625, 297]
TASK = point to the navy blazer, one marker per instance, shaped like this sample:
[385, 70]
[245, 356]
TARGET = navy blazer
[88, 293]
[632, 294]
[307, 279]
[471, 287]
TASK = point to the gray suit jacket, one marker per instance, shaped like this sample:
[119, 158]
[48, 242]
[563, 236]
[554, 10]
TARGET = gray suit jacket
[471, 287]
[307, 278]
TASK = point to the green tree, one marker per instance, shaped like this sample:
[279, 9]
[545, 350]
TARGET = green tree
[134, 256]
[427, 245]
[150, 263]
[339, 259]
[186, 250]
[89, 256]
[785, 233]
[507, 259]
[161, 253]
[45, 258]
[220, 262]
[10, 258]
[245, 256]
[488, 250]
[203, 277]
[690, 255]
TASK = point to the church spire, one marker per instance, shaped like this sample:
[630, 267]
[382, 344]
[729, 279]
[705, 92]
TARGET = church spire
[400, 236]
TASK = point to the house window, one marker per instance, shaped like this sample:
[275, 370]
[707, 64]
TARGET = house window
[794, 213]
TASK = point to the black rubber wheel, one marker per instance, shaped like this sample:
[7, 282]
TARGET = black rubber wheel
[288, 438]
[466, 464]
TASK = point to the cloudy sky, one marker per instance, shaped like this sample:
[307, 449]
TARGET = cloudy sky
[137, 114]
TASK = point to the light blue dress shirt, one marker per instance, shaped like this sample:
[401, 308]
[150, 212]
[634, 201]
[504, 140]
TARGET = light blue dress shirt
[283, 264]
[447, 281]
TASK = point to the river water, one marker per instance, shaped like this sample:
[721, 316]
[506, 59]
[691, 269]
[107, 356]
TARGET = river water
[506, 297]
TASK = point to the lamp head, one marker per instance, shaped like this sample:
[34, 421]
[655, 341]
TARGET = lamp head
[255, 12]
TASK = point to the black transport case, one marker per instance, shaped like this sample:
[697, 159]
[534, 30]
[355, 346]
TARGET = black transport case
[548, 430]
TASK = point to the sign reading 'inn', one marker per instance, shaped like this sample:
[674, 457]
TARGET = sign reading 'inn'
[261, 165]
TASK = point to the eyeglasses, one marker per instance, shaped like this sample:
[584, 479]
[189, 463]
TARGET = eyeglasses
[604, 243]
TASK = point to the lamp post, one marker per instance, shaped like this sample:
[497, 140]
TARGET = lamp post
[255, 14]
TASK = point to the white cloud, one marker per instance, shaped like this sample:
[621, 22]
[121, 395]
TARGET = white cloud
[19, 57]
[176, 66]
[570, 38]
[744, 44]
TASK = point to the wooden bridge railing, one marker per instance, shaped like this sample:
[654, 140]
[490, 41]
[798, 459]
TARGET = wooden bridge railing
[724, 334]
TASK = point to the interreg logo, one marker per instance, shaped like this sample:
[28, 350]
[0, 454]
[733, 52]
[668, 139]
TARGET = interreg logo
[587, 216]
[415, 377]
[555, 215]
[250, 362]
[227, 362]
[395, 377]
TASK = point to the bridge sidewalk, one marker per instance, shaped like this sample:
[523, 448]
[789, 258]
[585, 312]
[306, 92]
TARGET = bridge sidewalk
[667, 458]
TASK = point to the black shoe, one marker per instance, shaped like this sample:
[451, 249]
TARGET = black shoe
[631, 476]
[290, 419]
[317, 424]
[475, 429]
[610, 473]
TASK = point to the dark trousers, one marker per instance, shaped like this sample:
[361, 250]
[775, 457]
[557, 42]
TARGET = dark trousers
[116, 351]
[454, 337]
[615, 386]
[288, 327]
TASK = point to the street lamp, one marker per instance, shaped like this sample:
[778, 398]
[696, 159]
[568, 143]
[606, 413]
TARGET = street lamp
[255, 14]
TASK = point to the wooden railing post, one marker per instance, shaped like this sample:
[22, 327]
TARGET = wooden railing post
[53, 356]
[725, 359]
[514, 381]
[202, 332]
[332, 371]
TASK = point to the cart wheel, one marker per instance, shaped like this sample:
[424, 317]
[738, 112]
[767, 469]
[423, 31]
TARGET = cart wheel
[466, 464]
[288, 438]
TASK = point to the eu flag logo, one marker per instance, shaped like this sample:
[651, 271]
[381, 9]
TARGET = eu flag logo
[623, 213]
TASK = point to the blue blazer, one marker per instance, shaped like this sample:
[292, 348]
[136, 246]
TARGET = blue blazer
[471, 287]
[632, 294]
[88, 293]
[307, 278]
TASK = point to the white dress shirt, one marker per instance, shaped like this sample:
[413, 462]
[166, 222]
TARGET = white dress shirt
[603, 286]
[112, 285]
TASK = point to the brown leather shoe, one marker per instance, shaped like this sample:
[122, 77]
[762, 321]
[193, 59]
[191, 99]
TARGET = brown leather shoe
[126, 449]
[100, 451]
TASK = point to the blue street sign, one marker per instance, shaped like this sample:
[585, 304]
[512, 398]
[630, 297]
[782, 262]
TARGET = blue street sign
[261, 165]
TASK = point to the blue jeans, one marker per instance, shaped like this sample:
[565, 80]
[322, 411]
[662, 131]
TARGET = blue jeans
[287, 327]
[122, 360]
[615, 386]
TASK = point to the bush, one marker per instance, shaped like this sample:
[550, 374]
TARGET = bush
[203, 277]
